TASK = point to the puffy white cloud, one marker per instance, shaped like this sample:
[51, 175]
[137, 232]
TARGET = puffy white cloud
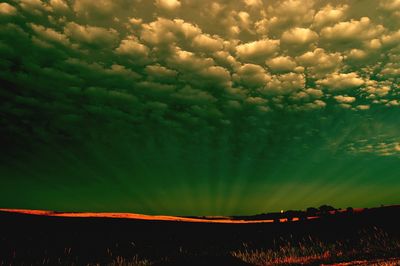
[356, 54]
[204, 42]
[374, 90]
[161, 73]
[253, 3]
[299, 36]
[284, 84]
[123, 72]
[363, 107]
[314, 93]
[136, 21]
[225, 59]
[257, 51]
[351, 33]
[90, 35]
[319, 62]
[165, 32]
[236, 23]
[243, 19]
[380, 147]
[49, 35]
[390, 5]
[215, 8]
[59, 5]
[345, 99]
[168, 4]
[7, 9]
[393, 103]
[281, 64]
[329, 15]
[390, 70]
[317, 104]
[36, 7]
[95, 9]
[341, 81]
[256, 100]
[391, 40]
[262, 26]
[131, 47]
[215, 76]
[185, 61]
[290, 13]
[251, 76]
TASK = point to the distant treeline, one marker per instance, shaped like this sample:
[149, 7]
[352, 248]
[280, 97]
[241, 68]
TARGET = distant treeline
[290, 215]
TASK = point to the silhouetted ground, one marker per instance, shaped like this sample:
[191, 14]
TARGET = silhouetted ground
[373, 234]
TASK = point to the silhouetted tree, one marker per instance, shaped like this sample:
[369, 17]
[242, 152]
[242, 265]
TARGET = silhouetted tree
[311, 211]
[302, 215]
[326, 209]
[290, 215]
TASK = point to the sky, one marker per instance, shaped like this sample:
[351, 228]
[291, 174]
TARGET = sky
[185, 107]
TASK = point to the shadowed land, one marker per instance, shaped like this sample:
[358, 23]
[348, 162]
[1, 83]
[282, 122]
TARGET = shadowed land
[361, 237]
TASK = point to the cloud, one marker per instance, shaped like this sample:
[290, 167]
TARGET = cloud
[188, 95]
[35, 7]
[329, 15]
[59, 6]
[377, 146]
[7, 9]
[101, 9]
[351, 33]
[201, 62]
[50, 35]
[91, 35]
[299, 37]
[253, 3]
[257, 51]
[165, 32]
[281, 64]
[341, 81]
[133, 48]
[185, 61]
[319, 62]
[161, 73]
[284, 84]
[206, 43]
[390, 5]
[290, 13]
[363, 107]
[390, 70]
[345, 99]
[251, 76]
[168, 4]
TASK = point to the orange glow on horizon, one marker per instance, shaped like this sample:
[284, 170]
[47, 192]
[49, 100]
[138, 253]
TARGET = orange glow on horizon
[133, 216]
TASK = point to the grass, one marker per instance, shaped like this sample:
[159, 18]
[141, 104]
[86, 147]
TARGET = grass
[120, 261]
[369, 245]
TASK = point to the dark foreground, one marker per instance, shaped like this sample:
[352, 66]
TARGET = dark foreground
[371, 237]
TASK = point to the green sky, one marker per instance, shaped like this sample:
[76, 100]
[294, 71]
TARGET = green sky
[189, 107]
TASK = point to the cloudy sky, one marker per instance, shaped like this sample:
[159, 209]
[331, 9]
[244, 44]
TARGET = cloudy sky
[199, 107]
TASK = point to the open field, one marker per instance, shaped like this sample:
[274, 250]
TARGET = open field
[370, 237]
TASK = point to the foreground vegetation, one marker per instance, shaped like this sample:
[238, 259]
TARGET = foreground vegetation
[370, 245]
[370, 237]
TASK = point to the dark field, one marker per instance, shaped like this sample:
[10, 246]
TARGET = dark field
[370, 237]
